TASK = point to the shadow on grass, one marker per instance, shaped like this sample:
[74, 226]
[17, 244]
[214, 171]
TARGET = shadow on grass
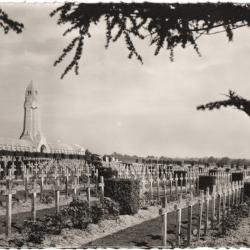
[142, 244]
[154, 236]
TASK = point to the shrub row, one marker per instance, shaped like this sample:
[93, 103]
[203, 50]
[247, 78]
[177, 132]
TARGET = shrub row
[206, 181]
[77, 215]
[107, 173]
[237, 176]
[124, 191]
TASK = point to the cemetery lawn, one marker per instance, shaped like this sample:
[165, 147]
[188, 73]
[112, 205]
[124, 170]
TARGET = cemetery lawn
[236, 238]
[142, 230]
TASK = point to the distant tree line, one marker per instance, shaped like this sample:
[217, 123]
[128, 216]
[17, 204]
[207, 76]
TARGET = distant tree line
[168, 160]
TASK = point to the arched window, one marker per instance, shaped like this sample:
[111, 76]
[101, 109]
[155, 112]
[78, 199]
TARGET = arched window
[43, 149]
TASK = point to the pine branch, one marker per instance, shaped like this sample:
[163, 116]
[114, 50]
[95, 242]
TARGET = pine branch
[167, 25]
[234, 100]
[8, 24]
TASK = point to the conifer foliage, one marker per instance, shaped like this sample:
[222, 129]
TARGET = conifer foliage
[233, 100]
[166, 25]
[7, 24]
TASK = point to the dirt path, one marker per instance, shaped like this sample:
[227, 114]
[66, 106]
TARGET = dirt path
[146, 234]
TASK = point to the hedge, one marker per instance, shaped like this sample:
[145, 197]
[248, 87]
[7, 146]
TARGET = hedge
[126, 192]
[180, 173]
[246, 190]
[206, 181]
[107, 172]
[237, 176]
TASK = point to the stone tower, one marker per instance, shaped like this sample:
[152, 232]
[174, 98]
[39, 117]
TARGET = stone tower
[31, 123]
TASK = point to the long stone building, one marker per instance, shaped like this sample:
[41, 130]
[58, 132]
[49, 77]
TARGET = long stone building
[32, 138]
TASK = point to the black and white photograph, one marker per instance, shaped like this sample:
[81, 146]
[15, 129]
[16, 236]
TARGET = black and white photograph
[124, 125]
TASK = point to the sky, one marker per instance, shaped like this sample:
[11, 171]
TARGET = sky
[118, 105]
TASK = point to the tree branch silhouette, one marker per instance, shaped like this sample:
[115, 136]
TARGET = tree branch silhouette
[8, 24]
[234, 100]
[166, 25]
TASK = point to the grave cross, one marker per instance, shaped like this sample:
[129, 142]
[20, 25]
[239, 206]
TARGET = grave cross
[96, 181]
[101, 185]
[170, 183]
[57, 188]
[158, 189]
[75, 186]
[186, 181]
[190, 203]
[190, 181]
[233, 193]
[241, 191]
[8, 192]
[9, 179]
[23, 167]
[1, 170]
[119, 175]
[207, 198]
[219, 193]
[26, 177]
[151, 187]
[164, 181]
[201, 201]
[178, 207]
[36, 169]
[88, 173]
[31, 167]
[42, 176]
[55, 175]
[77, 175]
[236, 193]
[67, 175]
[164, 215]
[229, 193]
[34, 190]
[181, 180]
[176, 184]
[5, 165]
[13, 168]
[143, 182]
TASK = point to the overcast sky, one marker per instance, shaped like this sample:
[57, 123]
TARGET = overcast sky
[116, 104]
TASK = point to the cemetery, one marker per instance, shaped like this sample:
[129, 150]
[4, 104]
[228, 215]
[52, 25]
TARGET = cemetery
[46, 198]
